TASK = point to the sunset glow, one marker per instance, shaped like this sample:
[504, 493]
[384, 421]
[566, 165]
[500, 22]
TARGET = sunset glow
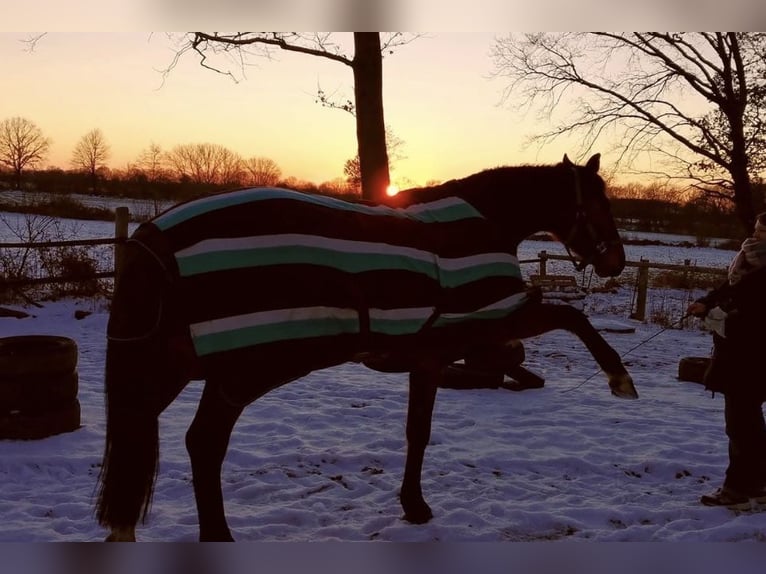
[72, 83]
[392, 190]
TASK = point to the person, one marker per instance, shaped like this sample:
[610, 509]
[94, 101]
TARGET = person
[735, 312]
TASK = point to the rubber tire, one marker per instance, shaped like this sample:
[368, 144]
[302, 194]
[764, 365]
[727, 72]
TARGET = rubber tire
[692, 369]
[36, 356]
[38, 393]
[460, 376]
[497, 359]
[24, 426]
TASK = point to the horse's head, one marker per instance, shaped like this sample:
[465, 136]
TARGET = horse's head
[587, 228]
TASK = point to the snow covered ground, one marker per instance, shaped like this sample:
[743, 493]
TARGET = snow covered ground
[321, 459]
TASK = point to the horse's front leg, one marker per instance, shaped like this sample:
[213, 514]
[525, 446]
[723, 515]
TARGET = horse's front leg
[544, 317]
[423, 386]
[620, 381]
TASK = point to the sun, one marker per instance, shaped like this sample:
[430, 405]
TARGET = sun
[392, 190]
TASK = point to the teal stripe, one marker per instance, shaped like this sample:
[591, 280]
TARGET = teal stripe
[187, 211]
[396, 326]
[347, 262]
[475, 273]
[299, 254]
[286, 331]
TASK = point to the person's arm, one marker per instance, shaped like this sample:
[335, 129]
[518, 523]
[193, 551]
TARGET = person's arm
[701, 306]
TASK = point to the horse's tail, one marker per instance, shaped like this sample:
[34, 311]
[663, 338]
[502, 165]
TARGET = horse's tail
[131, 451]
[140, 382]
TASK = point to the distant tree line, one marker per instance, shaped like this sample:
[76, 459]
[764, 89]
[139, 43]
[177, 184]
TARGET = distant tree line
[191, 170]
[666, 209]
[184, 171]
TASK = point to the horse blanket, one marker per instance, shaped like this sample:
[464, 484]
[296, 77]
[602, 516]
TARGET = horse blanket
[286, 272]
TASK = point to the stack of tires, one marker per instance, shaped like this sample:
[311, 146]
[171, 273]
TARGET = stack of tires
[38, 386]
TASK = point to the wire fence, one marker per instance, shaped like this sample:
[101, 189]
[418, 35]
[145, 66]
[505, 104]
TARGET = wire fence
[78, 266]
[70, 263]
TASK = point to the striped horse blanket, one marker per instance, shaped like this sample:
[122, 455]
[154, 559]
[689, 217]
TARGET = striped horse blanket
[285, 272]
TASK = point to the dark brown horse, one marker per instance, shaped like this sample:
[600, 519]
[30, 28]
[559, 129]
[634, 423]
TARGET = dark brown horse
[296, 283]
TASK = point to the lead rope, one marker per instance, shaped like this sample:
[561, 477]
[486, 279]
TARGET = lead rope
[660, 332]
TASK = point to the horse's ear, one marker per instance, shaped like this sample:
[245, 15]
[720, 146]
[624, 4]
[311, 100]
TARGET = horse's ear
[566, 161]
[594, 163]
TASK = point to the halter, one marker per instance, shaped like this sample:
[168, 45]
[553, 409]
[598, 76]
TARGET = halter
[581, 220]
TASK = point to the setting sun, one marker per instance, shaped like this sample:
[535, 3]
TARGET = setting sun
[392, 190]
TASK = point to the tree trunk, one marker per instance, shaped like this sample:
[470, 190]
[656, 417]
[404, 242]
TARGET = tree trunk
[370, 125]
[743, 196]
[743, 192]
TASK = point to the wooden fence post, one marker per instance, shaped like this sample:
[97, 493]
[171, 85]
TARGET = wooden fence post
[543, 256]
[121, 219]
[643, 286]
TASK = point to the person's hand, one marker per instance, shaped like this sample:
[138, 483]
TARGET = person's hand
[697, 309]
[715, 321]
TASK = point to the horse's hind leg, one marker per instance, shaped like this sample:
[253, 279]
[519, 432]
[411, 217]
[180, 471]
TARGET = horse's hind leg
[207, 440]
[423, 387]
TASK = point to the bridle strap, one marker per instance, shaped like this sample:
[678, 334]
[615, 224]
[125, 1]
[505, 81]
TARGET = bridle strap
[581, 220]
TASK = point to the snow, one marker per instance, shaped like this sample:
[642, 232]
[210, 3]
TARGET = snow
[321, 459]
[509, 475]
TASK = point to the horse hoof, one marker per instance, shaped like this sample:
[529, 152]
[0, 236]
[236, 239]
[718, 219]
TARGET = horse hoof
[622, 387]
[217, 538]
[421, 516]
[121, 535]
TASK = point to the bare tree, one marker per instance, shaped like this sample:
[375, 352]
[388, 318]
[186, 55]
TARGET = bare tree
[90, 155]
[337, 186]
[353, 172]
[352, 169]
[22, 146]
[261, 172]
[206, 163]
[151, 163]
[150, 170]
[697, 99]
[366, 65]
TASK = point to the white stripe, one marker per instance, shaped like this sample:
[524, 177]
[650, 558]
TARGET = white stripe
[457, 263]
[434, 205]
[297, 239]
[343, 245]
[271, 317]
[506, 303]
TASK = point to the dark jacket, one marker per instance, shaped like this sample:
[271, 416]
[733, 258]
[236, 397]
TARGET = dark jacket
[737, 364]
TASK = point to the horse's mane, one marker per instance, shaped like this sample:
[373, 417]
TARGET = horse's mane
[488, 177]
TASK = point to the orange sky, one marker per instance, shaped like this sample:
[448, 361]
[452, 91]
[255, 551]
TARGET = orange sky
[438, 99]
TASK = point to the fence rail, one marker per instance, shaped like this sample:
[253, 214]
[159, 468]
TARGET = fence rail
[643, 267]
[121, 223]
[122, 218]
[67, 243]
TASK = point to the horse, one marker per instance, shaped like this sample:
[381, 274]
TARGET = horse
[501, 357]
[297, 282]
